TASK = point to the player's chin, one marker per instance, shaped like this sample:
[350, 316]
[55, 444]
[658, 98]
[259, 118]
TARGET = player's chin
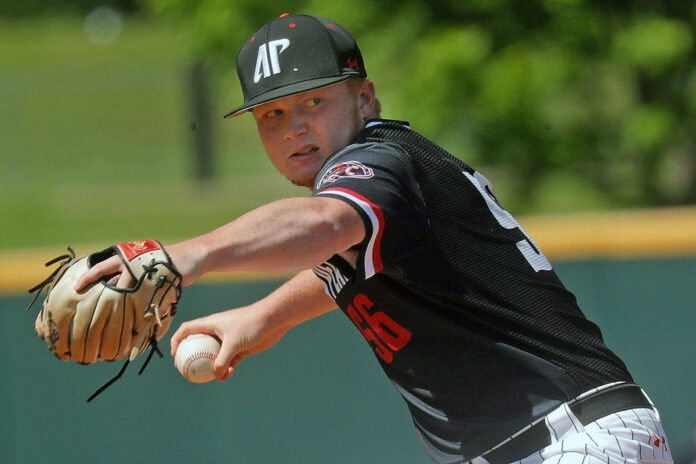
[306, 180]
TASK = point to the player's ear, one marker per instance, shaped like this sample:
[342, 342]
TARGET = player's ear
[367, 99]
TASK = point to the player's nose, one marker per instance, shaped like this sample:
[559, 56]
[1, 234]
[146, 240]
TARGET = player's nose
[296, 126]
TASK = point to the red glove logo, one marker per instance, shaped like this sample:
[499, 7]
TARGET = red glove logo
[133, 249]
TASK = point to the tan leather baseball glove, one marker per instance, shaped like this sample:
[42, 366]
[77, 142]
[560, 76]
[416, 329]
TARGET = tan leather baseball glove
[103, 322]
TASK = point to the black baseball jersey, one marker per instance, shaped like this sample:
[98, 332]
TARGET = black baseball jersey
[463, 311]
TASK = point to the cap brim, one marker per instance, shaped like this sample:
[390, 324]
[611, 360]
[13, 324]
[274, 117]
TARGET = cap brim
[286, 91]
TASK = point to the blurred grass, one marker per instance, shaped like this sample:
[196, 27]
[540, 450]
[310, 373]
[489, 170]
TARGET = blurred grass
[95, 139]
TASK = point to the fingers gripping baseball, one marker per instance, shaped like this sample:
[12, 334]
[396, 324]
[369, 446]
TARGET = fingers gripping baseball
[240, 332]
[228, 359]
[220, 325]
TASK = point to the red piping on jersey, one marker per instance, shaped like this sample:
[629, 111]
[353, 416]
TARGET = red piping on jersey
[376, 238]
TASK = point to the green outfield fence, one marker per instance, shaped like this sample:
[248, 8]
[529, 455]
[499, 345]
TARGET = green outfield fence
[319, 395]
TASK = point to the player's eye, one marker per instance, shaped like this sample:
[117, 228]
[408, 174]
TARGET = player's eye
[273, 113]
[312, 102]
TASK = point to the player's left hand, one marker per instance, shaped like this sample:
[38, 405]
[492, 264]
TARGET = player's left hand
[103, 321]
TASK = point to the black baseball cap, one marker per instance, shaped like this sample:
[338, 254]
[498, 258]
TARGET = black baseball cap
[294, 54]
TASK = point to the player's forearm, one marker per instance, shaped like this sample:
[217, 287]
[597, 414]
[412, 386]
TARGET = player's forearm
[286, 235]
[298, 300]
[254, 328]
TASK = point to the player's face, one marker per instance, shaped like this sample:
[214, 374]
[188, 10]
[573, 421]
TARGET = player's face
[301, 131]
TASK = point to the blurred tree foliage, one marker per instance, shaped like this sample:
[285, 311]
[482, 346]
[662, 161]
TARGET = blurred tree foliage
[29, 8]
[569, 104]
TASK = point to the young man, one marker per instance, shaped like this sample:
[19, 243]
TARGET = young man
[490, 351]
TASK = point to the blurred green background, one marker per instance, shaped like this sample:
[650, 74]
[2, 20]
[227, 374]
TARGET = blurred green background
[111, 129]
[566, 105]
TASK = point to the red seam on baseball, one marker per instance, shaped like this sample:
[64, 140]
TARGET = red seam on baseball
[195, 356]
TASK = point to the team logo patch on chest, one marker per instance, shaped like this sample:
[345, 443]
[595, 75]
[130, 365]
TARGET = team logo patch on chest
[352, 169]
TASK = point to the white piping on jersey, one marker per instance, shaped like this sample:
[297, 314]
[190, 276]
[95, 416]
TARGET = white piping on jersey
[370, 252]
[377, 123]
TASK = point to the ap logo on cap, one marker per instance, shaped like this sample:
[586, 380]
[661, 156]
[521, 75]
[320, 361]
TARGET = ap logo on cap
[269, 54]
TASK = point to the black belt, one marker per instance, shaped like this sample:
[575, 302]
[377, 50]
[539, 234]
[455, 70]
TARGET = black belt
[608, 401]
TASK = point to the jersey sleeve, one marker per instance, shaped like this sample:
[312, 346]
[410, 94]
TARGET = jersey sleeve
[379, 182]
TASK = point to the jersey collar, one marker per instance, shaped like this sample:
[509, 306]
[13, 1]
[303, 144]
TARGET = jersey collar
[377, 122]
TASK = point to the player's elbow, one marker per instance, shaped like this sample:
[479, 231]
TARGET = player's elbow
[338, 225]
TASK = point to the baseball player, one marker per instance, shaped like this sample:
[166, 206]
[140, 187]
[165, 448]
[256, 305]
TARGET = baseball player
[491, 353]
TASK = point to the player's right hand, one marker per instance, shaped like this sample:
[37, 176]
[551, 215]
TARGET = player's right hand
[241, 331]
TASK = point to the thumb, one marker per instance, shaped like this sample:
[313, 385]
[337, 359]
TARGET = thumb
[227, 359]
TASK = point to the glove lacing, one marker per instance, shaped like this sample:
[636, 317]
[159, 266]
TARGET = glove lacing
[153, 349]
[152, 341]
[142, 342]
[39, 288]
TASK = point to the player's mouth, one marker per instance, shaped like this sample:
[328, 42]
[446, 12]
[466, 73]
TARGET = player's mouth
[304, 151]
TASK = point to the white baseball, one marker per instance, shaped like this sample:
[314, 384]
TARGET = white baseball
[195, 357]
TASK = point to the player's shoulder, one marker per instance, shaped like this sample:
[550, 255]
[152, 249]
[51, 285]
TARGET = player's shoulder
[370, 150]
[369, 154]
[365, 160]
[369, 146]
[360, 160]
